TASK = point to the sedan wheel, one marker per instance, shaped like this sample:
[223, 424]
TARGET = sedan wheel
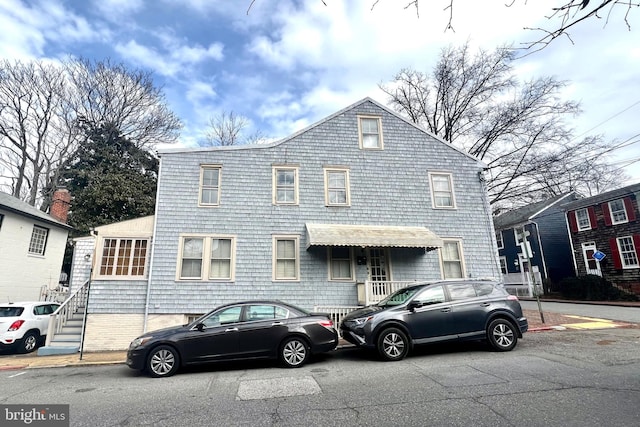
[294, 352]
[393, 344]
[29, 343]
[163, 361]
[502, 335]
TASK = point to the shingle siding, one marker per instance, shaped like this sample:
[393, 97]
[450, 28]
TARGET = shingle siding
[387, 187]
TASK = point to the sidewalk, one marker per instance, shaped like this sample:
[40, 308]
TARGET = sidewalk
[553, 321]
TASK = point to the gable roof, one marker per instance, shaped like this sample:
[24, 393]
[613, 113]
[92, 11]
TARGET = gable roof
[601, 198]
[13, 204]
[527, 213]
[318, 123]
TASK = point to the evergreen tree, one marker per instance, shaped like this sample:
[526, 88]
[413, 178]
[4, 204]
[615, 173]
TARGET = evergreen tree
[110, 179]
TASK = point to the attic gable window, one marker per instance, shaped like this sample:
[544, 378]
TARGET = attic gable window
[442, 196]
[210, 185]
[370, 132]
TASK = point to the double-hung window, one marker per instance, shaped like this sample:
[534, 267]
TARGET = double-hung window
[210, 185]
[207, 258]
[618, 211]
[38, 243]
[582, 219]
[285, 185]
[370, 132]
[499, 240]
[451, 259]
[336, 182]
[628, 254]
[341, 263]
[123, 257]
[442, 190]
[286, 258]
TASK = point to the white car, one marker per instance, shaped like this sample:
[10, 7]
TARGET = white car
[23, 325]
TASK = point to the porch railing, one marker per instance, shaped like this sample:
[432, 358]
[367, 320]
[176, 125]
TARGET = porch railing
[69, 307]
[336, 313]
[372, 292]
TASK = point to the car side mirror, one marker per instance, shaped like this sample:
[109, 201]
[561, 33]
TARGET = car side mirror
[414, 304]
[200, 326]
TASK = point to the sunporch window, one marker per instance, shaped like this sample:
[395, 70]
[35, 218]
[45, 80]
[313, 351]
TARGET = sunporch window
[123, 257]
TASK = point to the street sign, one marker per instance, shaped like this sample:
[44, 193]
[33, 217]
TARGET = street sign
[598, 256]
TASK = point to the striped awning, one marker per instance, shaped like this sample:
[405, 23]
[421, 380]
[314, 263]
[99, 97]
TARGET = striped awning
[373, 236]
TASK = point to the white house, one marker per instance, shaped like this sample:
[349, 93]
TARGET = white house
[32, 245]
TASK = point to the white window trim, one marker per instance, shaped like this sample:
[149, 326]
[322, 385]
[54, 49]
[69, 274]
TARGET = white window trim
[500, 241]
[352, 263]
[206, 257]
[200, 185]
[624, 209]
[100, 255]
[460, 253]
[449, 175]
[295, 170]
[328, 170]
[588, 227]
[503, 260]
[275, 239]
[43, 249]
[635, 250]
[360, 133]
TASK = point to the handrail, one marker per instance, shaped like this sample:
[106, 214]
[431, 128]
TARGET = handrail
[69, 307]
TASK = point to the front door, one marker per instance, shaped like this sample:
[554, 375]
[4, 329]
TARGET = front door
[592, 266]
[378, 266]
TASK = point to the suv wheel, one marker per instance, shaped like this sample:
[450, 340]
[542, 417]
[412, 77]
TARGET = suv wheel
[502, 335]
[393, 344]
[29, 342]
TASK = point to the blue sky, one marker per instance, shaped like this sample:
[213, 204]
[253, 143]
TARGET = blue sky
[289, 63]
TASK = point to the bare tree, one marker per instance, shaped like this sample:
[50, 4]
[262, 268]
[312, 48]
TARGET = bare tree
[45, 109]
[30, 107]
[517, 128]
[227, 129]
[103, 92]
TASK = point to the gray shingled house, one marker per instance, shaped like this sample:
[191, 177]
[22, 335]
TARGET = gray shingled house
[339, 214]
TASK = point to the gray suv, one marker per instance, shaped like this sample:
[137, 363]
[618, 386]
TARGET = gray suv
[436, 312]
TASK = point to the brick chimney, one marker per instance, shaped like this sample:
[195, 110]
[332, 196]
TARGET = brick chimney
[60, 204]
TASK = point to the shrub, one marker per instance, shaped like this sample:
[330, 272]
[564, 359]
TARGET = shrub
[592, 288]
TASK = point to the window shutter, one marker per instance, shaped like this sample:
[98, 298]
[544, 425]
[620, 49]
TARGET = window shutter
[592, 217]
[636, 243]
[573, 224]
[615, 253]
[607, 213]
[631, 212]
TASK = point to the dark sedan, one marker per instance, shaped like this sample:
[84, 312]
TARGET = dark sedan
[246, 330]
[435, 312]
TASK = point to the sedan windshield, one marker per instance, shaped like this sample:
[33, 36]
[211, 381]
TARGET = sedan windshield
[399, 297]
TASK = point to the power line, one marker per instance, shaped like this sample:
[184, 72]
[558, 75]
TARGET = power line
[608, 119]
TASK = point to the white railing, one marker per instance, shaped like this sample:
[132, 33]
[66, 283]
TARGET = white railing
[58, 294]
[372, 292]
[59, 318]
[336, 313]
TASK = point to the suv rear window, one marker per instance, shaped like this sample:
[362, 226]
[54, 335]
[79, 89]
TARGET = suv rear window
[483, 288]
[11, 311]
[460, 291]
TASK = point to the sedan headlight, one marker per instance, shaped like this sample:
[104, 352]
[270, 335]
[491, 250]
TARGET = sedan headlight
[139, 341]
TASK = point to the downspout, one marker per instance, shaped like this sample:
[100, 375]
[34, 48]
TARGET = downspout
[153, 250]
[491, 228]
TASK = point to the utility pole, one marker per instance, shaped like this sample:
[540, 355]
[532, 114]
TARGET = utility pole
[526, 251]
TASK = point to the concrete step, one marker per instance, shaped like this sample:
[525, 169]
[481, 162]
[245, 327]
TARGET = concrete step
[49, 350]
